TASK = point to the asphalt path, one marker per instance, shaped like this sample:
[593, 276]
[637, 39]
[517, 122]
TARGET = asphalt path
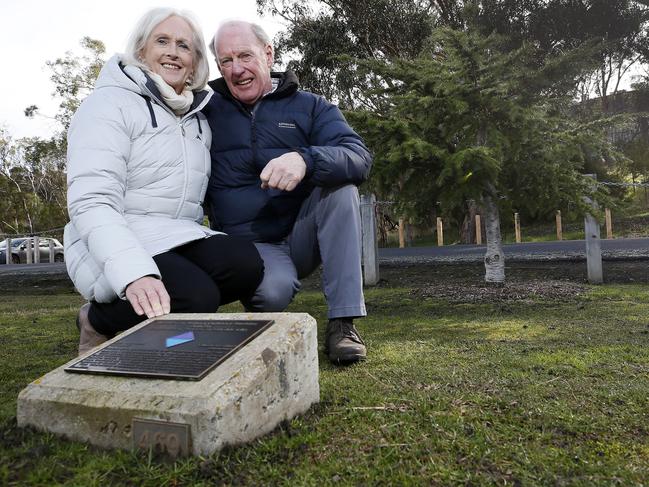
[615, 248]
[26, 269]
[621, 248]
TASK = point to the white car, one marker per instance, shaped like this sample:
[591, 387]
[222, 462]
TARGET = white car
[19, 250]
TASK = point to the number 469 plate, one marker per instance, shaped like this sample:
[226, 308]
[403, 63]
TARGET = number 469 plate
[163, 437]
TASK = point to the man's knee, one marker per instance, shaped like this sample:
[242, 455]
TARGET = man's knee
[342, 203]
[274, 293]
[344, 195]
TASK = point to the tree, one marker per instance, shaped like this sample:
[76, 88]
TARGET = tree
[320, 34]
[32, 170]
[327, 39]
[32, 184]
[73, 78]
[555, 26]
[468, 119]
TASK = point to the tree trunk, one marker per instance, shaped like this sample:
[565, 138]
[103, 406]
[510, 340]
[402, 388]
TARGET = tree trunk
[494, 260]
[467, 232]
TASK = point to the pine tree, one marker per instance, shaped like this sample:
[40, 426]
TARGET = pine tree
[466, 118]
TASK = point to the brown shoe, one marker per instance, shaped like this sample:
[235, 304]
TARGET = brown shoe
[343, 344]
[89, 338]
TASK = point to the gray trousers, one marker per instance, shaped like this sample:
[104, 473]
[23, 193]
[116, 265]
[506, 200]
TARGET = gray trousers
[328, 231]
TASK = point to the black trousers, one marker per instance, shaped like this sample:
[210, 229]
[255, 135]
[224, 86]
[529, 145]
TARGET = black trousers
[199, 277]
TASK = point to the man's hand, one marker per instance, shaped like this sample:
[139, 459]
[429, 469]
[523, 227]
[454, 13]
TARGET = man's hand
[284, 172]
[148, 296]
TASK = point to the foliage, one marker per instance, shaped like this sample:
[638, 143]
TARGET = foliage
[318, 33]
[522, 392]
[32, 170]
[466, 116]
[32, 182]
[341, 51]
[73, 77]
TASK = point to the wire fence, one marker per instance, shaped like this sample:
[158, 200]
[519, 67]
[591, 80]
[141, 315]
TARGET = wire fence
[377, 205]
[624, 185]
[51, 231]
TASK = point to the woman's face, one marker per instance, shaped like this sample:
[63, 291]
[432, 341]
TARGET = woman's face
[169, 52]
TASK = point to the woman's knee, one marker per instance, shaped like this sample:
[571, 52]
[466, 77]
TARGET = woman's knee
[197, 297]
[247, 265]
[252, 265]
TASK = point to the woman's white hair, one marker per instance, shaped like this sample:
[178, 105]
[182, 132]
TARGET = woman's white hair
[145, 27]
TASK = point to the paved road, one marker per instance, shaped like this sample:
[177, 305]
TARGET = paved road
[24, 269]
[565, 249]
[622, 248]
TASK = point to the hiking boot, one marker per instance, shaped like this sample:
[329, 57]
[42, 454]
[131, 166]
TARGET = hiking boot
[89, 338]
[343, 345]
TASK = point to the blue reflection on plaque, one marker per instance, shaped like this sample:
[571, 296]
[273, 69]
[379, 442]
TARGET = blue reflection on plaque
[180, 339]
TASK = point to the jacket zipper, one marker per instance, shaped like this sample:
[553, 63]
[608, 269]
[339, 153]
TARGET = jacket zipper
[181, 126]
[253, 131]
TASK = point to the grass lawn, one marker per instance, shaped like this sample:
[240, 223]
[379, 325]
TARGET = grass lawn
[532, 391]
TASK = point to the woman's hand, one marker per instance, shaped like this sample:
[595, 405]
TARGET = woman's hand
[148, 296]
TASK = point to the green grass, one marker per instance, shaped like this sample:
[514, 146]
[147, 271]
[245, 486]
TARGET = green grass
[532, 393]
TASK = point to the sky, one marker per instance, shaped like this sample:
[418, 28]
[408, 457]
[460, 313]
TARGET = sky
[36, 31]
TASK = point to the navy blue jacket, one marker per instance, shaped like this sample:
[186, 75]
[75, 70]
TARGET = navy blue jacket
[245, 139]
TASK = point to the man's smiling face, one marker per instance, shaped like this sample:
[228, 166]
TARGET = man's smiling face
[244, 63]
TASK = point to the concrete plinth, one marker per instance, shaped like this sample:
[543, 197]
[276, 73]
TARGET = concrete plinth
[273, 378]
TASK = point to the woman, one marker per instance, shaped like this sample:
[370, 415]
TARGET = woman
[138, 166]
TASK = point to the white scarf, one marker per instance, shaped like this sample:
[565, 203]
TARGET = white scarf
[178, 103]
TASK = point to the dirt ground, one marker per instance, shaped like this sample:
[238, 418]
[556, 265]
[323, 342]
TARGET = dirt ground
[615, 271]
[464, 282]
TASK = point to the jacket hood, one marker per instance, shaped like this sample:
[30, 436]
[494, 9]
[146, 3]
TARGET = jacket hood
[288, 84]
[115, 74]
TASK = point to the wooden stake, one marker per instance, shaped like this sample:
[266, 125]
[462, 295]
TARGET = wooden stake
[559, 227]
[37, 250]
[369, 241]
[609, 224]
[517, 227]
[440, 232]
[51, 245]
[593, 244]
[478, 230]
[402, 233]
[28, 250]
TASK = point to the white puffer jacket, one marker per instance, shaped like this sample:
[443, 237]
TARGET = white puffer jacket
[137, 175]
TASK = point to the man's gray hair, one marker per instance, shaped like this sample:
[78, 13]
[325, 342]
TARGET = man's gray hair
[257, 30]
[145, 26]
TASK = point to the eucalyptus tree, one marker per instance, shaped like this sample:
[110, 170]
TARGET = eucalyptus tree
[32, 170]
[73, 78]
[620, 26]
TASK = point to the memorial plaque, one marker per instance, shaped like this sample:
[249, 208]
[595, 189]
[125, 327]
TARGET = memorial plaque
[163, 437]
[175, 349]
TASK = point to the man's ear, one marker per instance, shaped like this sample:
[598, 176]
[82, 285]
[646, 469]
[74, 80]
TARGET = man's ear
[270, 55]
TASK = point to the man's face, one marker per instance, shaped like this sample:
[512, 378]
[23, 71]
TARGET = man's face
[244, 63]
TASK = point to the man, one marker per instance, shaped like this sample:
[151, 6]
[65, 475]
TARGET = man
[285, 165]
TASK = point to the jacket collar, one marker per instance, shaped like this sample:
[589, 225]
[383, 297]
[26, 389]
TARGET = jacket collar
[200, 97]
